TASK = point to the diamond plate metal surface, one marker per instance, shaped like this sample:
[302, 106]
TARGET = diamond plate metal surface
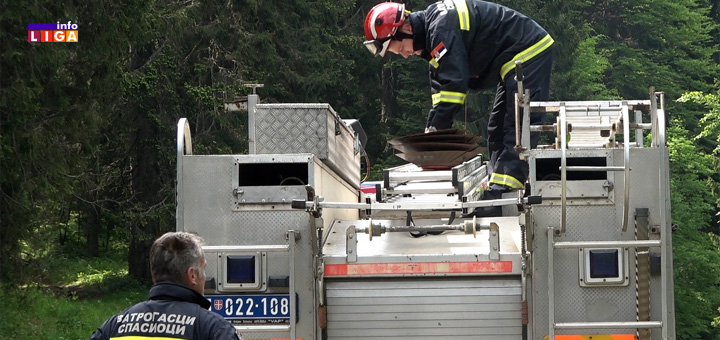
[308, 128]
[289, 129]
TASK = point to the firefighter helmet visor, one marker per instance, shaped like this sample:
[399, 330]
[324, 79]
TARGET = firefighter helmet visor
[378, 47]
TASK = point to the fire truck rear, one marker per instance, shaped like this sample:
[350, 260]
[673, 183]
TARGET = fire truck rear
[298, 248]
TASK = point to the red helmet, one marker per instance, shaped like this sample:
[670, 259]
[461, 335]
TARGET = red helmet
[381, 24]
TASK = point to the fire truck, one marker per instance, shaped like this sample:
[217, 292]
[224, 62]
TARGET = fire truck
[298, 248]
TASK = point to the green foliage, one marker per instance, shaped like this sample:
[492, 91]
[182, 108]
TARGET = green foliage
[710, 122]
[74, 297]
[695, 203]
[697, 299]
[665, 44]
[707, 141]
[587, 74]
[31, 313]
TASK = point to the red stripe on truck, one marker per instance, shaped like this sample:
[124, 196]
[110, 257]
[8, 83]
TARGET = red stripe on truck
[418, 268]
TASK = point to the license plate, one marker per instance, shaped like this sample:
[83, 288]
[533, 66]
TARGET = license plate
[251, 307]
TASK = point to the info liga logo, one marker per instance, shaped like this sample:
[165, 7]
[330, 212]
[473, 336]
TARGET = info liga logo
[65, 32]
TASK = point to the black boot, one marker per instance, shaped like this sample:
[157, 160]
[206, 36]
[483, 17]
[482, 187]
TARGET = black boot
[494, 193]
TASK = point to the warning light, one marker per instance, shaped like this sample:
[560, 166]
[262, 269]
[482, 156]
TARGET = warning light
[242, 271]
[240, 268]
[604, 263]
[603, 267]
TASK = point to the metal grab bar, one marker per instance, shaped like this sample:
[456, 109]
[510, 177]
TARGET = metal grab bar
[607, 244]
[609, 325]
[595, 168]
[626, 148]
[563, 166]
[262, 328]
[522, 98]
[184, 141]
[657, 116]
[519, 100]
[184, 147]
[658, 140]
[267, 248]
[589, 127]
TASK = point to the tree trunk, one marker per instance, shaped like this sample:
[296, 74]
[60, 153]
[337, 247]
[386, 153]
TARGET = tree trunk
[89, 224]
[147, 189]
[139, 258]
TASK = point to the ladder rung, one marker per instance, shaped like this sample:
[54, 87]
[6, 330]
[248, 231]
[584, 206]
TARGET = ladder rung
[422, 188]
[595, 168]
[593, 103]
[590, 127]
[227, 249]
[445, 175]
[609, 325]
[584, 146]
[420, 191]
[592, 108]
[607, 244]
[263, 328]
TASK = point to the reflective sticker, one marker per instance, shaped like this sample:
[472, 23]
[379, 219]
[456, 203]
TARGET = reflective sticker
[506, 180]
[421, 268]
[448, 97]
[527, 54]
[463, 15]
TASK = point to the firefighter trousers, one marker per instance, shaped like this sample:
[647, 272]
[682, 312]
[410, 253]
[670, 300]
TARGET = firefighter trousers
[505, 165]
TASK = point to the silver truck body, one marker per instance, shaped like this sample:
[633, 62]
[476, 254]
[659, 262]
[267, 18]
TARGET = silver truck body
[296, 251]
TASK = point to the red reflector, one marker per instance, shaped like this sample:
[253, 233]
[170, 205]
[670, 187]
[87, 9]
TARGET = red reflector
[368, 190]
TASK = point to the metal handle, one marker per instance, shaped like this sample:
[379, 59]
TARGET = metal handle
[519, 100]
[518, 71]
[298, 204]
[626, 149]
[657, 114]
[563, 166]
[184, 141]
[184, 147]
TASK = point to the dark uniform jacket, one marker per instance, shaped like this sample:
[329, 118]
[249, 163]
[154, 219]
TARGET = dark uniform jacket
[172, 311]
[471, 44]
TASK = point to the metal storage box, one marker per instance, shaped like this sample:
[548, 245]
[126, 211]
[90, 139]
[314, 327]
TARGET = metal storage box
[306, 128]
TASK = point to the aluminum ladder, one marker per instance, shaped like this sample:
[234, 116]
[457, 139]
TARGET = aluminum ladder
[594, 124]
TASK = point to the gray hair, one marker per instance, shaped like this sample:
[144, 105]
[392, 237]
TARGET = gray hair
[172, 254]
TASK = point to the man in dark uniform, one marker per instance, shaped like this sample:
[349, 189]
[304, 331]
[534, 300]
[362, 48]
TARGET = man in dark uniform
[176, 308]
[472, 45]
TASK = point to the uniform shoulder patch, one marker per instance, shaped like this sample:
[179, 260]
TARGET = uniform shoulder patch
[437, 53]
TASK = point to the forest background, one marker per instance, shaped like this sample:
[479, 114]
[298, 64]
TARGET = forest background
[87, 129]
